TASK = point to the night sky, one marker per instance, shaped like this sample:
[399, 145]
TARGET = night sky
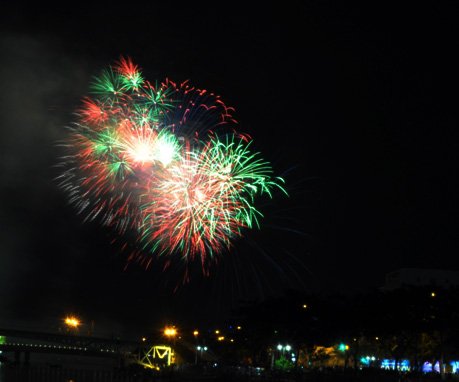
[355, 107]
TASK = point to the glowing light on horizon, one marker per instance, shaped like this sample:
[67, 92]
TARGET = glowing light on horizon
[170, 332]
[72, 322]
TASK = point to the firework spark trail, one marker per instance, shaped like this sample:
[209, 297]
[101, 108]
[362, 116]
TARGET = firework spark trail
[205, 200]
[124, 133]
[197, 111]
[165, 162]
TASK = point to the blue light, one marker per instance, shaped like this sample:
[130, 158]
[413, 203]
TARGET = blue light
[365, 361]
[455, 366]
[437, 367]
[427, 367]
[404, 365]
[388, 364]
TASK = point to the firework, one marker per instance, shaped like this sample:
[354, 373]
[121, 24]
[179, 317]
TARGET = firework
[126, 132]
[165, 162]
[203, 202]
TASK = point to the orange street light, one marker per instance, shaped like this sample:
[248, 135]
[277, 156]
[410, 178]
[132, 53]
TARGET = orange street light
[195, 333]
[170, 332]
[72, 322]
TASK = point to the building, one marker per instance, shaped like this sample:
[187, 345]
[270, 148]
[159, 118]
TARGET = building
[417, 277]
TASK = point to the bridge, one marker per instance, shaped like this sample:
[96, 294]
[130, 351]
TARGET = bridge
[22, 342]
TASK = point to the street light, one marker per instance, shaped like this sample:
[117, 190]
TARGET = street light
[170, 332]
[282, 349]
[199, 349]
[72, 322]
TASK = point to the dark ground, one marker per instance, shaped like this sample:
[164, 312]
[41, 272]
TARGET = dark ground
[47, 374]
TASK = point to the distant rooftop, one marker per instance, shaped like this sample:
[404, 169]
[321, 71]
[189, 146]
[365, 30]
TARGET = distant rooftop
[404, 277]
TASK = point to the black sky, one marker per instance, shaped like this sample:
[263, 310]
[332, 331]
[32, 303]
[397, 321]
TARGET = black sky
[354, 106]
